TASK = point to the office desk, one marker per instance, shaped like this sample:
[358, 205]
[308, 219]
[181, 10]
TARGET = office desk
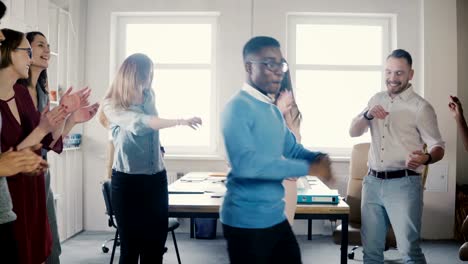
[204, 206]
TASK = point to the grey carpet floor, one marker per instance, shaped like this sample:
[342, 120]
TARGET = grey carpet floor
[85, 248]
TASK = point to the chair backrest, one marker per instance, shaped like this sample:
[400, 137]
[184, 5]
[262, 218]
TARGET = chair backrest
[106, 192]
[357, 170]
[425, 171]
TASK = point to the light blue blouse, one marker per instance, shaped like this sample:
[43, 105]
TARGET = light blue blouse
[137, 146]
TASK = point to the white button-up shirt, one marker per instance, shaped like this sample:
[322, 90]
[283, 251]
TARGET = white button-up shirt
[411, 123]
[256, 94]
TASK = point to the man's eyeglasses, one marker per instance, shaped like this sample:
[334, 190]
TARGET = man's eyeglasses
[28, 50]
[274, 66]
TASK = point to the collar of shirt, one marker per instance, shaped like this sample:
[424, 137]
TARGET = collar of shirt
[405, 95]
[256, 94]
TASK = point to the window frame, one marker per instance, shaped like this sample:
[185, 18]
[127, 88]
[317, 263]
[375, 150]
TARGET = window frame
[121, 19]
[386, 21]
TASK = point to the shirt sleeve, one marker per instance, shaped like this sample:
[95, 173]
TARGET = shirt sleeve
[373, 101]
[133, 121]
[245, 160]
[428, 127]
[57, 147]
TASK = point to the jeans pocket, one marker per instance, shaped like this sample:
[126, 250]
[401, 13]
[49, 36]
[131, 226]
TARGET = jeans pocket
[366, 179]
[415, 179]
[415, 182]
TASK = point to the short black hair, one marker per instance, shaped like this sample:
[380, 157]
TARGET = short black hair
[401, 54]
[2, 9]
[255, 44]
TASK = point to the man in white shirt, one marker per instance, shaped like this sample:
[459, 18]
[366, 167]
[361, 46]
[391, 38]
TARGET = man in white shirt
[401, 122]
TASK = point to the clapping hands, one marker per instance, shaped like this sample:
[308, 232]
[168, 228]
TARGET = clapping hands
[74, 101]
[84, 114]
[77, 104]
[52, 119]
[22, 161]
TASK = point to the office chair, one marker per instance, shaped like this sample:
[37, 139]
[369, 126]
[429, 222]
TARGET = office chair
[106, 192]
[357, 171]
[173, 224]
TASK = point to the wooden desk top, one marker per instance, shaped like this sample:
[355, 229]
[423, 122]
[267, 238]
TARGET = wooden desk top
[204, 203]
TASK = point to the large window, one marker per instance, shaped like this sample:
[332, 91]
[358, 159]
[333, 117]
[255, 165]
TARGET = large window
[337, 64]
[182, 47]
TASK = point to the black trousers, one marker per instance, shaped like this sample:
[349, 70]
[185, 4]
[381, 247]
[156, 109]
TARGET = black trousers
[276, 244]
[140, 204]
[8, 245]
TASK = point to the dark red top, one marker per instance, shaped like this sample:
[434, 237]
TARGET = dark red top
[27, 192]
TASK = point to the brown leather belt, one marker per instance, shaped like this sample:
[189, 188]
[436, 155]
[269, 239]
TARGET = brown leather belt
[393, 174]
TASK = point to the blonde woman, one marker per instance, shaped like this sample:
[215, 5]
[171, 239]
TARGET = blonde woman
[139, 180]
[287, 105]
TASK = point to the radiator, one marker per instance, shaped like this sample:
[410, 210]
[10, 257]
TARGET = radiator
[173, 176]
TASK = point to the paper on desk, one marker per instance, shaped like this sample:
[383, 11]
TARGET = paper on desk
[218, 174]
[196, 186]
[188, 187]
[195, 176]
[215, 188]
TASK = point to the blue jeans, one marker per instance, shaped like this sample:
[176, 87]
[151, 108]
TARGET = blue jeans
[398, 202]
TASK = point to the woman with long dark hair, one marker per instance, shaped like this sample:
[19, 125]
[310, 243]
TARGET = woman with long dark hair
[37, 86]
[23, 126]
[287, 104]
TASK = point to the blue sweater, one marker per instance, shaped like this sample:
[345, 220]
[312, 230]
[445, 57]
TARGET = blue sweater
[262, 152]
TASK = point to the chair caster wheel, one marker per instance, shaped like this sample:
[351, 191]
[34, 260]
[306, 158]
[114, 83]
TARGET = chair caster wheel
[351, 255]
[105, 249]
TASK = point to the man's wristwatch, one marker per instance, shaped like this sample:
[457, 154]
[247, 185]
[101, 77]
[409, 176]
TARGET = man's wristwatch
[429, 159]
[366, 117]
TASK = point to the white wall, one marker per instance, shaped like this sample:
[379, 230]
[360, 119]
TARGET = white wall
[435, 42]
[462, 91]
[26, 15]
[440, 79]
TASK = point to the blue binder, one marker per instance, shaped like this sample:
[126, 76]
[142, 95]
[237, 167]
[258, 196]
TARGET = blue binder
[316, 192]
